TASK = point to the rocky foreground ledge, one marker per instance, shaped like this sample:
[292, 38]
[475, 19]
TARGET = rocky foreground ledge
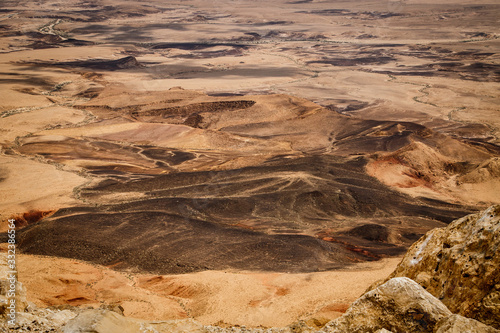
[449, 281]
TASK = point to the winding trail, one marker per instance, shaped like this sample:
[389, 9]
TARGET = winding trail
[423, 90]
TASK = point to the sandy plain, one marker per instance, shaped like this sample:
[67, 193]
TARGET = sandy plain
[296, 148]
[211, 297]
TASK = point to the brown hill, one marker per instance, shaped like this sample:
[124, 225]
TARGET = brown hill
[263, 182]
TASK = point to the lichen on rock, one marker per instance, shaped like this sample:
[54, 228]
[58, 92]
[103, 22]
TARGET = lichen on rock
[460, 265]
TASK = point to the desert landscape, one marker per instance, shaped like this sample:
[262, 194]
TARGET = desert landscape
[235, 163]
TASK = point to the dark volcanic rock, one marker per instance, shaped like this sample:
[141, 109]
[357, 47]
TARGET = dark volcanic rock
[163, 243]
[220, 220]
[128, 62]
[373, 232]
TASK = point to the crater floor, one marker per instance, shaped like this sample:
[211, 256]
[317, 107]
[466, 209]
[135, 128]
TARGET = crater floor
[307, 138]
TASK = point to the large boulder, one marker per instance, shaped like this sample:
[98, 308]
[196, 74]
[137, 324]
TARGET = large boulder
[460, 265]
[458, 324]
[399, 305]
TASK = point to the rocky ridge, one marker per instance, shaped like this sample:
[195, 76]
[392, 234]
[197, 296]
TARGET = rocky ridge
[455, 267]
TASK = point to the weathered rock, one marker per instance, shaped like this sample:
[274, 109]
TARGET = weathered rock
[101, 321]
[7, 285]
[26, 317]
[399, 305]
[175, 326]
[460, 265]
[113, 307]
[317, 322]
[458, 324]
[21, 301]
[39, 320]
[106, 321]
[59, 318]
[299, 327]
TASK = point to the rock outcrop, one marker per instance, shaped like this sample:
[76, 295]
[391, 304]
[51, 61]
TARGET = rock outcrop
[399, 305]
[460, 265]
[106, 321]
[458, 324]
[8, 286]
